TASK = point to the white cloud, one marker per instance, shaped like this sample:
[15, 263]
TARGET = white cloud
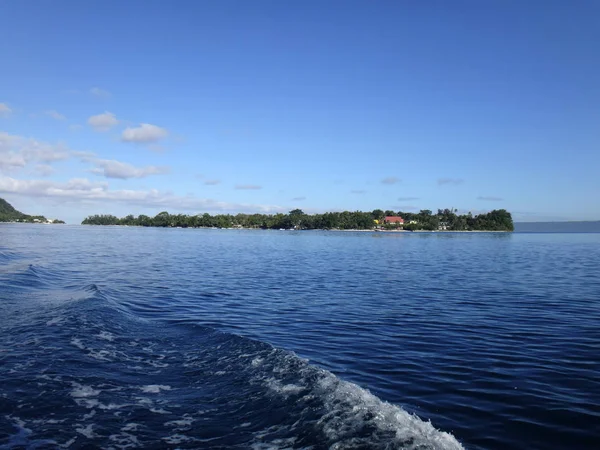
[390, 180]
[144, 134]
[75, 127]
[81, 189]
[247, 187]
[5, 111]
[16, 152]
[84, 156]
[9, 161]
[121, 170]
[45, 188]
[212, 182]
[102, 93]
[44, 170]
[103, 122]
[55, 115]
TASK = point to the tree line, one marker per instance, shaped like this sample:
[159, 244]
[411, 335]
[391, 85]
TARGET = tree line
[446, 219]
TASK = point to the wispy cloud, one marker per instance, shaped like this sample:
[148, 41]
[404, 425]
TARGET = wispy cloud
[75, 127]
[5, 111]
[16, 152]
[84, 156]
[298, 199]
[357, 191]
[103, 122]
[208, 181]
[247, 187]
[390, 180]
[102, 93]
[146, 133]
[84, 190]
[454, 181]
[44, 170]
[111, 168]
[490, 198]
[55, 115]
[407, 199]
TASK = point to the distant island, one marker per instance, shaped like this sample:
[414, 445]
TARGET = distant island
[9, 214]
[378, 220]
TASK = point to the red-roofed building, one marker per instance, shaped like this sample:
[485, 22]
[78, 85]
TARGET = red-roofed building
[394, 219]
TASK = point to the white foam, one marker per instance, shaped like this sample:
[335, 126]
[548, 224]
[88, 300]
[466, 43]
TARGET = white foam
[47, 421]
[112, 406]
[125, 440]
[85, 398]
[106, 336]
[347, 409]
[89, 415]
[83, 391]
[77, 343]
[257, 361]
[177, 439]
[350, 406]
[185, 422]
[155, 388]
[261, 439]
[144, 401]
[87, 431]
[55, 321]
[102, 355]
[131, 427]
[156, 364]
[88, 402]
[284, 389]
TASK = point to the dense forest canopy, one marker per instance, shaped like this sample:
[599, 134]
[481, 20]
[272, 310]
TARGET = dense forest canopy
[9, 214]
[447, 219]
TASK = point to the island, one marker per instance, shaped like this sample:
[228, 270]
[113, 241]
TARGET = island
[9, 214]
[376, 220]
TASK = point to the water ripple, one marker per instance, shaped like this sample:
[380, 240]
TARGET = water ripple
[129, 337]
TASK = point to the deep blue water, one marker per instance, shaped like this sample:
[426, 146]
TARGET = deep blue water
[174, 338]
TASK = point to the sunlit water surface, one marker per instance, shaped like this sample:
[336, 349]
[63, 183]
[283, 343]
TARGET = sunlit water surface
[178, 338]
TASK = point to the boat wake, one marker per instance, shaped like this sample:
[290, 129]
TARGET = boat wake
[85, 373]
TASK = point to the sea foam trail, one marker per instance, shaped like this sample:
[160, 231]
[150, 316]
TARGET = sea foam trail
[348, 415]
[123, 383]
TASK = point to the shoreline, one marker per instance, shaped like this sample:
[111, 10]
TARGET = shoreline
[270, 229]
[424, 231]
[312, 229]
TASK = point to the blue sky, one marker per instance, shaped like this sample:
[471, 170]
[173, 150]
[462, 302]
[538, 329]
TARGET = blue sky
[238, 106]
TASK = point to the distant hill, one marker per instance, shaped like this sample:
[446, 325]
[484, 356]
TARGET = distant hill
[558, 227]
[9, 214]
[7, 208]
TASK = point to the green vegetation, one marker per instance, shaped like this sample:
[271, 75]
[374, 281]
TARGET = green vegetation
[449, 220]
[9, 214]
[497, 220]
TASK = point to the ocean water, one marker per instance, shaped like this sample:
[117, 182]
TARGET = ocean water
[184, 338]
